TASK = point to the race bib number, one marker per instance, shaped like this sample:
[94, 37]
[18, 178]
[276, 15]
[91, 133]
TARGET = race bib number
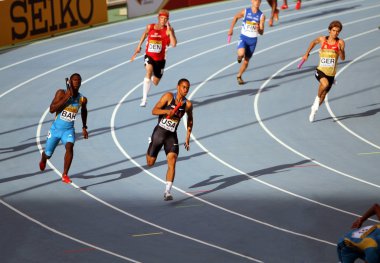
[327, 62]
[250, 26]
[155, 46]
[68, 116]
[168, 124]
[361, 231]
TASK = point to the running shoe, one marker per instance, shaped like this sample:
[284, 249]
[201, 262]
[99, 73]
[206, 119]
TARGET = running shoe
[66, 179]
[298, 5]
[240, 80]
[284, 6]
[42, 165]
[168, 196]
[143, 103]
[312, 115]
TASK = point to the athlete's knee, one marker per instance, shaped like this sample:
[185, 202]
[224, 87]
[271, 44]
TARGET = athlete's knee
[150, 161]
[47, 154]
[155, 81]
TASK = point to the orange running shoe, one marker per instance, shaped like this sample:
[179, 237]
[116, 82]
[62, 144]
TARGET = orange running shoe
[298, 5]
[66, 179]
[284, 6]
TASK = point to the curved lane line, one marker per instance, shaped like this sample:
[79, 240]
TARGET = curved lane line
[39, 145]
[332, 113]
[63, 234]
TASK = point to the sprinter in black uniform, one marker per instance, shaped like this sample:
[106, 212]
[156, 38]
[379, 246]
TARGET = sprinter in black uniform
[165, 133]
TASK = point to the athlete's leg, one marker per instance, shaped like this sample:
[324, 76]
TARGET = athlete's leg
[155, 80]
[147, 82]
[52, 141]
[324, 87]
[150, 160]
[170, 174]
[68, 157]
[240, 54]
[243, 67]
[43, 160]
[172, 160]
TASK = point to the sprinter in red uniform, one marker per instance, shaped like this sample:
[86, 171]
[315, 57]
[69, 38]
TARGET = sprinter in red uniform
[160, 36]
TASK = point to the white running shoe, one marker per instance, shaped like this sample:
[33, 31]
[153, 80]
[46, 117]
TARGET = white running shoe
[143, 103]
[312, 115]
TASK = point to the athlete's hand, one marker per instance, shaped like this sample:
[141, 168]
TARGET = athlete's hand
[85, 133]
[187, 146]
[358, 223]
[69, 92]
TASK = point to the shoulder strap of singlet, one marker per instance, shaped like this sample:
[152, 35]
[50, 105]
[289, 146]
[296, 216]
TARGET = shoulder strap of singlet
[184, 99]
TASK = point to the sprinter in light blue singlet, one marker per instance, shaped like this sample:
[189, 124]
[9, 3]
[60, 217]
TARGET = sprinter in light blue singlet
[252, 26]
[361, 242]
[65, 105]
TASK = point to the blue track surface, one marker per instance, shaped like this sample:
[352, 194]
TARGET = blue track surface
[260, 182]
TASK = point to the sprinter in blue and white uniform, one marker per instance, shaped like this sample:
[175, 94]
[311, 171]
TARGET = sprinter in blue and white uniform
[65, 105]
[252, 26]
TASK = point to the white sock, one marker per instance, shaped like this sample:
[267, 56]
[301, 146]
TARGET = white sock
[315, 106]
[146, 88]
[168, 186]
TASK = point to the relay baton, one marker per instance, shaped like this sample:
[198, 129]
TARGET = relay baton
[301, 63]
[134, 56]
[175, 109]
[67, 83]
[229, 39]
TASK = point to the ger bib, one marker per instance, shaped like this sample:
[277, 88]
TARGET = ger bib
[168, 124]
[327, 62]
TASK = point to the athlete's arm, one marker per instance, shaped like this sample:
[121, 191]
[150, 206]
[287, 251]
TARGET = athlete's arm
[159, 108]
[60, 99]
[312, 44]
[374, 210]
[171, 34]
[84, 118]
[260, 29]
[190, 120]
[234, 20]
[342, 53]
[142, 39]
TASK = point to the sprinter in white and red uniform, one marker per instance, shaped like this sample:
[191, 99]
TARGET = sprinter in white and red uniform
[332, 48]
[165, 132]
[159, 37]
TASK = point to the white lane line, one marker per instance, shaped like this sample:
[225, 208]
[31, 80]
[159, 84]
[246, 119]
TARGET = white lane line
[55, 231]
[142, 28]
[256, 110]
[157, 178]
[58, 171]
[332, 113]
[38, 136]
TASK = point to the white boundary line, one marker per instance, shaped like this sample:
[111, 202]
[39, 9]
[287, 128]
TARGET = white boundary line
[17, 210]
[337, 119]
[142, 28]
[257, 221]
[256, 110]
[63, 234]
